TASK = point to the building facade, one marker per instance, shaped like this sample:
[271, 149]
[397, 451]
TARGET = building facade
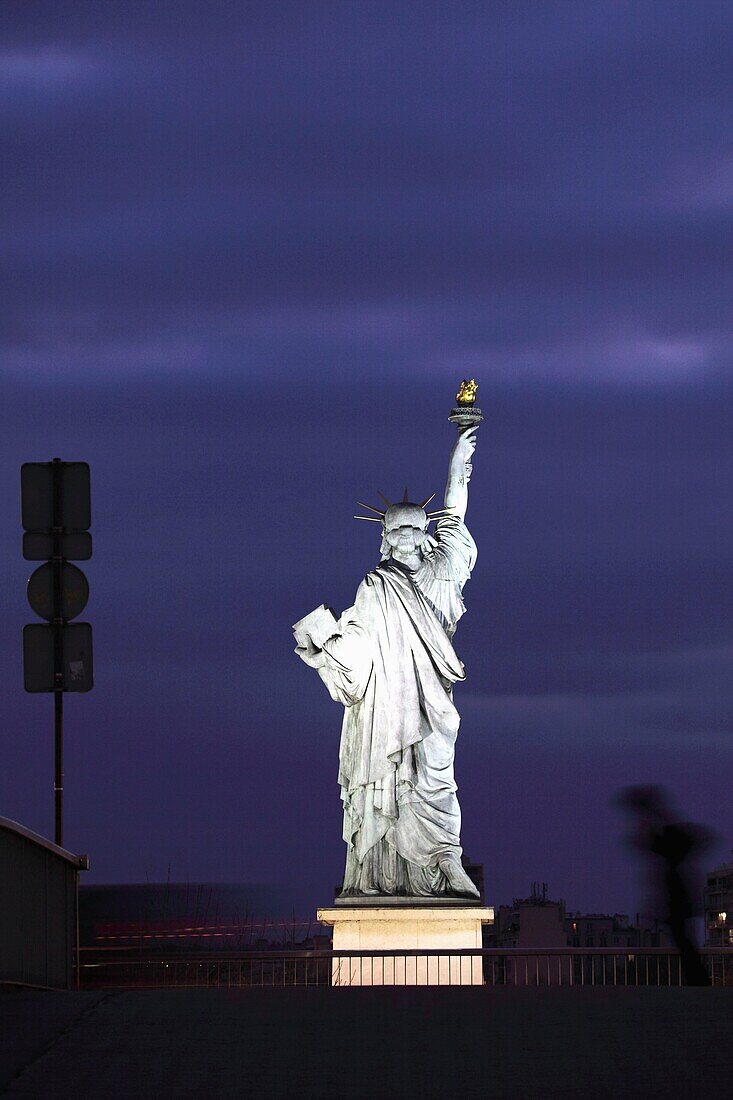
[39, 909]
[539, 922]
[718, 906]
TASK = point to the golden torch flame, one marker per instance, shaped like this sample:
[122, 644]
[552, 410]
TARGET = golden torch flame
[467, 392]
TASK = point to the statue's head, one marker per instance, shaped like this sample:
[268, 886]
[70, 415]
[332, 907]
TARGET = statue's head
[404, 525]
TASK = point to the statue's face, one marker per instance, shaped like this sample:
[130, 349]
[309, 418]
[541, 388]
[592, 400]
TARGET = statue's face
[405, 527]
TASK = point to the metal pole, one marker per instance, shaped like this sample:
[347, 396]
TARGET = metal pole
[58, 668]
[58, 761]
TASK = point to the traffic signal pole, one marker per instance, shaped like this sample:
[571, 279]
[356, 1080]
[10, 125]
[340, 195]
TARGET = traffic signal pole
[58, 667]
[57, 655]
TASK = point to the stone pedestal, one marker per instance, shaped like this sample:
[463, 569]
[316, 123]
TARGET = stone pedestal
[403, 927]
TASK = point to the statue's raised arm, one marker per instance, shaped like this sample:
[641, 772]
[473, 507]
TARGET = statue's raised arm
[459, 472]
[467, 417]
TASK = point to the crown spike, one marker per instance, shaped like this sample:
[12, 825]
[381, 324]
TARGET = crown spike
[369, 519]
[427, 501]
[406, 497]
[381, 494]
[378, 511]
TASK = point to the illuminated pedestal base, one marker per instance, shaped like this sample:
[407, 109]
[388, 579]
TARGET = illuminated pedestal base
[407, 928]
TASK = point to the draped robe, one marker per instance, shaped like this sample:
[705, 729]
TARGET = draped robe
[393, 666]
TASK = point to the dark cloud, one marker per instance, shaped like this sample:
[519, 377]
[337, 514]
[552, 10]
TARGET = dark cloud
[527, 176]
[247, 254]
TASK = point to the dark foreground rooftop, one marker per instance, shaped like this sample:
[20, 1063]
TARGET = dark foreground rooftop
[348, 1043]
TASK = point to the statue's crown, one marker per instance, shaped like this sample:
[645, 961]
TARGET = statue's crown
[405, 512]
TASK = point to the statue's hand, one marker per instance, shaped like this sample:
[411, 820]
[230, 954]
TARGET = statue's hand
[465, 445]
[460, 459]
[310, 653]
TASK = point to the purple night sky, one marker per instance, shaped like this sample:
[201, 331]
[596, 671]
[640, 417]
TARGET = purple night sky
[249, 250]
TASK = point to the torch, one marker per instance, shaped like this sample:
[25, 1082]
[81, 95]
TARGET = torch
[466, 414]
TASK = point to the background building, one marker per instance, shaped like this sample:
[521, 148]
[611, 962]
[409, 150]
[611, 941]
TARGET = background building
[189, 917]
[38, 913]
[539, 922]
[718, 906]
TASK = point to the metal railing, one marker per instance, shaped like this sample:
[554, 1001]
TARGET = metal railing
[572, 966]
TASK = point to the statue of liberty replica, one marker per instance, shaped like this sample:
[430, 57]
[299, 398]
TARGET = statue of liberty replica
[389, 660]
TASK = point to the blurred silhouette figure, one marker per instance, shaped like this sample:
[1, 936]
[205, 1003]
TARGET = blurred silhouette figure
[676, 845]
